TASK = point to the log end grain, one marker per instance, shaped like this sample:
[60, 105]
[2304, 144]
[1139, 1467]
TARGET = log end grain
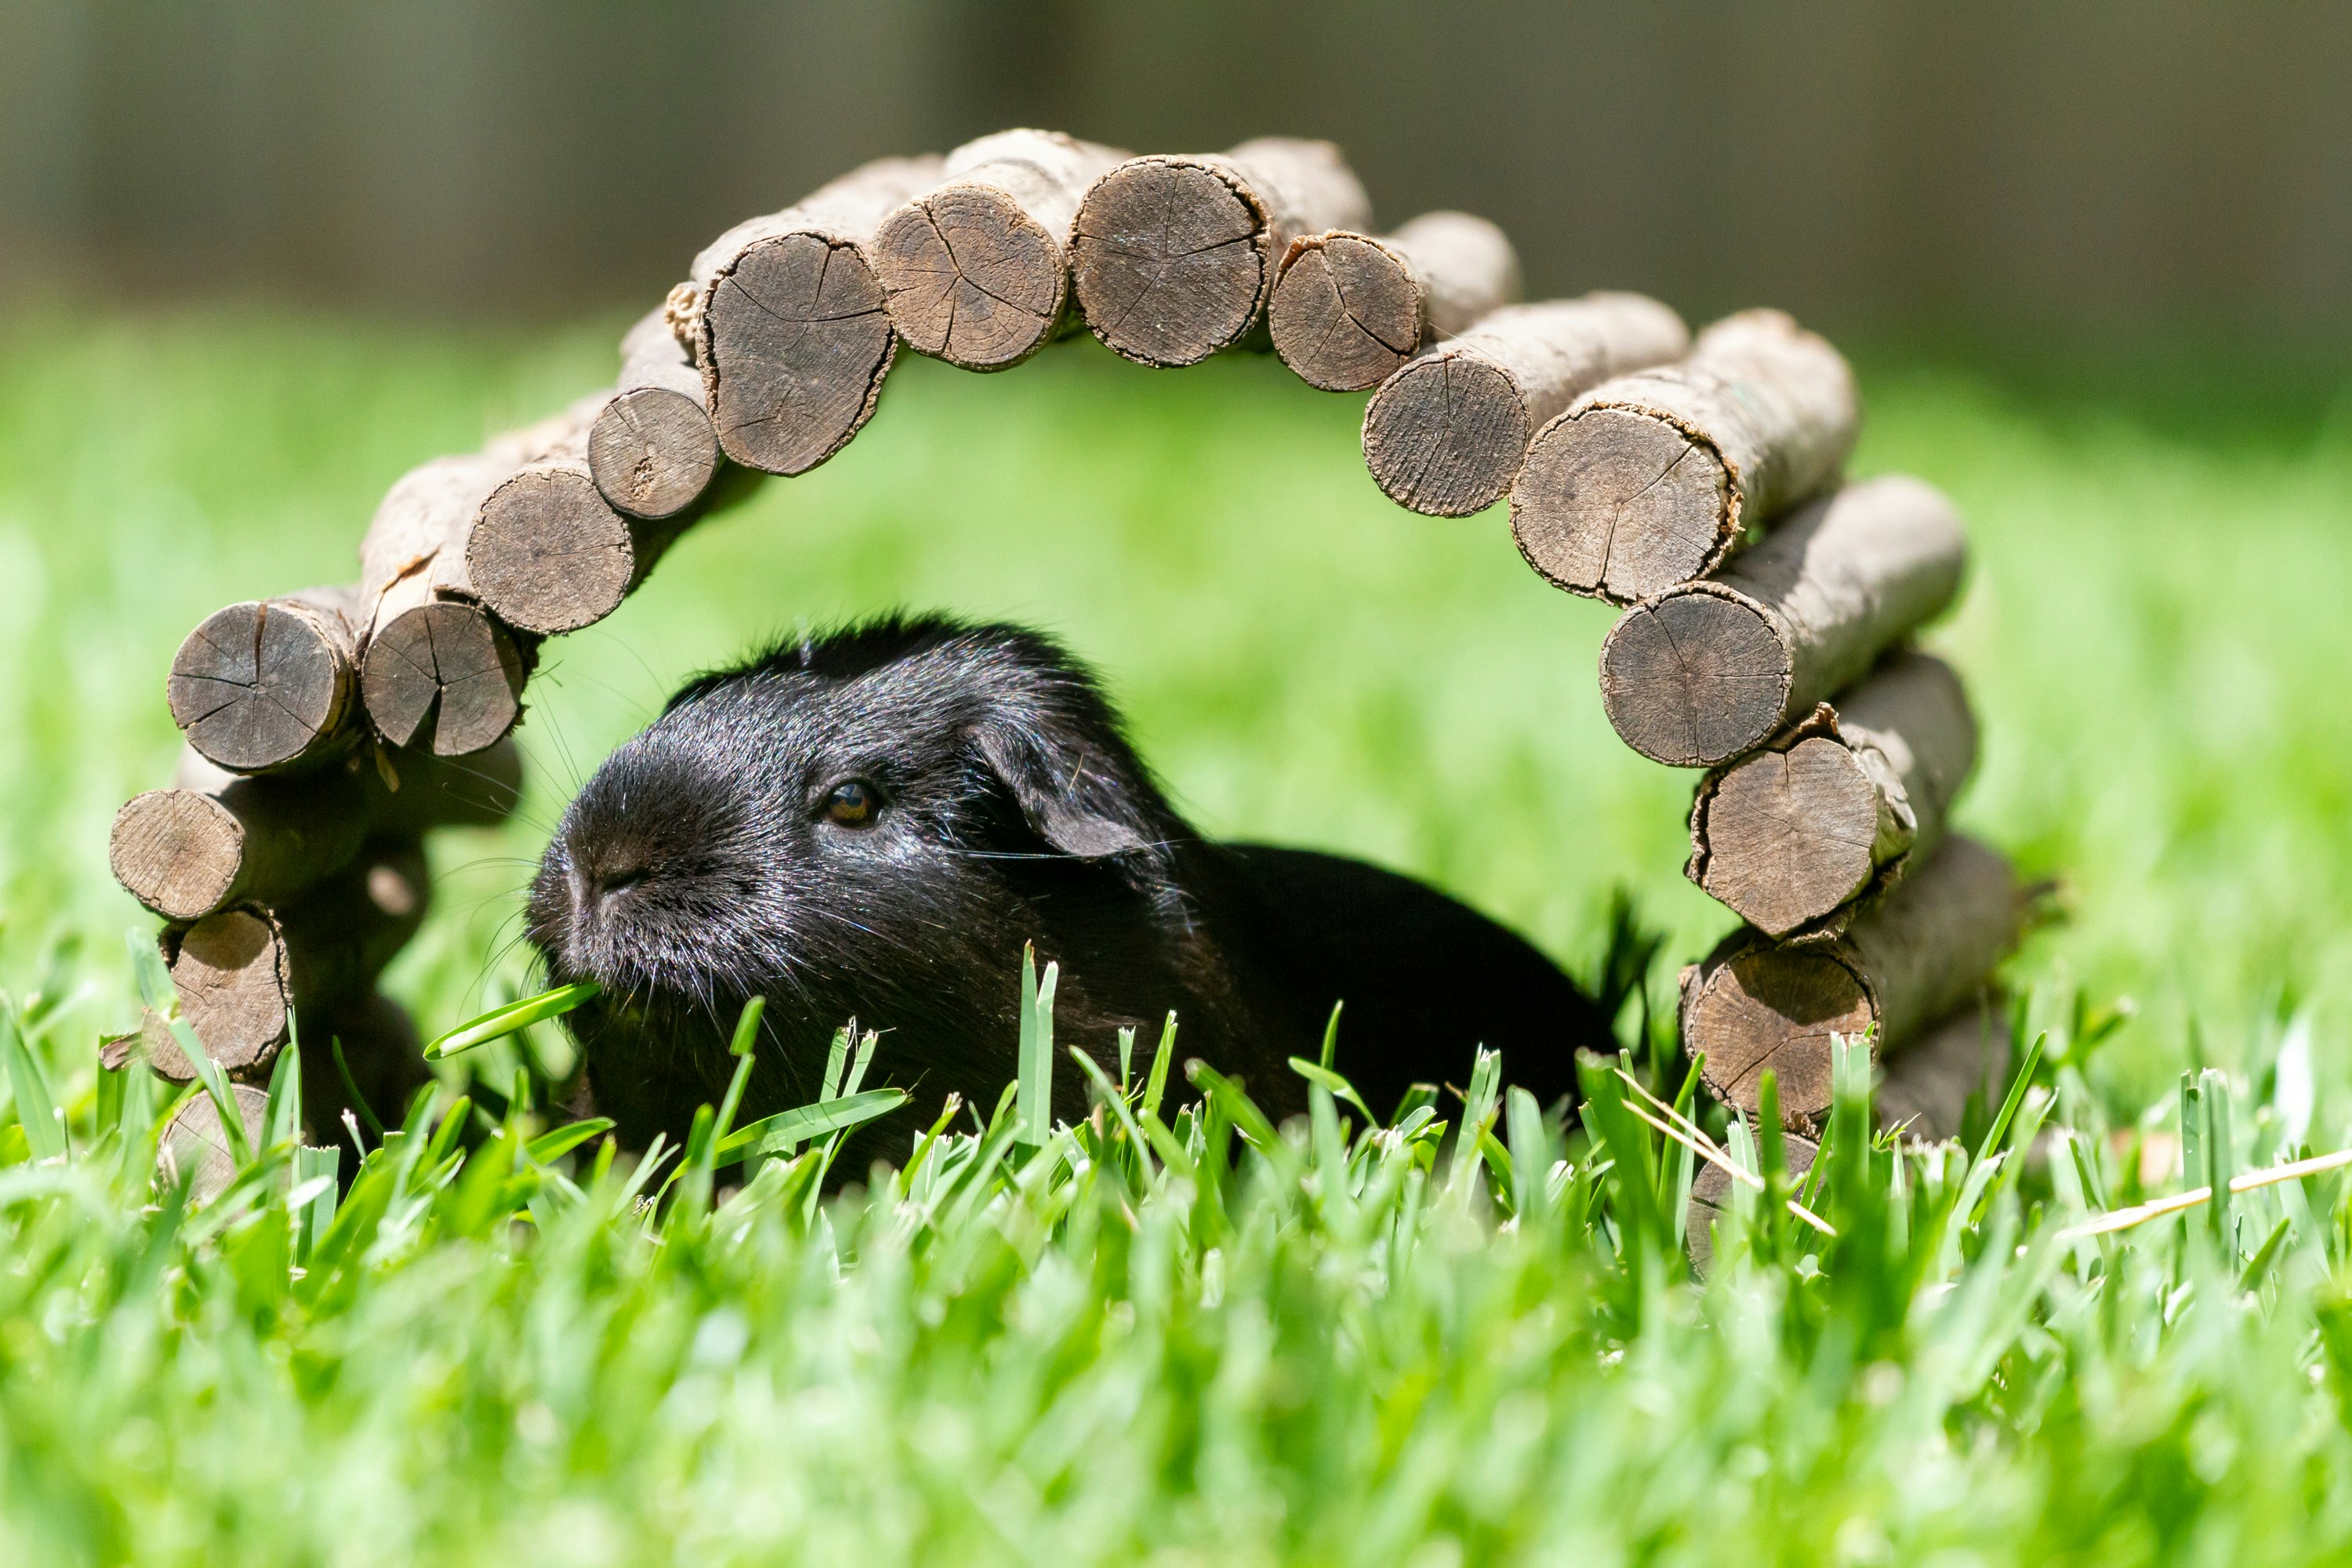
[1619, 504]
[652, 451]
[796, 340]
[176, 851]
[1790, 836]
[1445, 435]
[194, 1147]
[260, 685]
[444, 678]
[1710, 1197]
[1695, 679]
[1346, 313]
[234, 985]
[1774, 1009]
[549, 554]
[1169, 259]
[971, 277]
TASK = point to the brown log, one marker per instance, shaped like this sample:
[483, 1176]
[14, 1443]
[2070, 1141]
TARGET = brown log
[195, 1150]
[1926, 1086]
[977, 268]
[1838, 806]
[1651, 480]
[1711, 669]
[271, 684]
[1349, 308]
[342, 934]
[652, 450]
[1906, 961]
[218, 838]
[1174, 258]
[1445, 435]
[1710, 1196]
[236, 988]
[788, 322]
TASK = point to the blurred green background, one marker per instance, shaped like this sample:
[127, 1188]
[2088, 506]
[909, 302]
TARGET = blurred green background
[2095, 264]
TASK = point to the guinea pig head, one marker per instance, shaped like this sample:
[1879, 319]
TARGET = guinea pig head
[870, 824]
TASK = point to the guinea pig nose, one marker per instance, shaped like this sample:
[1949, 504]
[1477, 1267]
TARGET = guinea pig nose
[604, 885]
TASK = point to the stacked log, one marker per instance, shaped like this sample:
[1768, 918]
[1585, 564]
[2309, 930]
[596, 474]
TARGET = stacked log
[1349, 309]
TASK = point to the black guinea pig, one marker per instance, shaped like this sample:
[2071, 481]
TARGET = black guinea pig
[871, 823]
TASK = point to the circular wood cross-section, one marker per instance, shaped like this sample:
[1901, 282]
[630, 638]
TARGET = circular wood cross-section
[652, 451]
[232, 976]
[194, 1148]
[1695, 679]
[1710, 1196]
[1619, 504]
[1790, 834]
[971, 277]
[1445, 435]
[1346, 313]
[1774, 1009]
[177, 851]
[798, 339]
[1170, 260]
[444, 678]
[260, 685]
[549, 554]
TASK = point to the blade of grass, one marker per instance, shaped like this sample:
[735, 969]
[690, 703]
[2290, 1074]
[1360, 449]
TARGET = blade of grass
[500, 1022]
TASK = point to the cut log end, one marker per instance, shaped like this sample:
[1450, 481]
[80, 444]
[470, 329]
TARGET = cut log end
[1773, 1010]
[194, 1147]
[1620, 505]
[1695, 679]
[1445, 435]
[234, 985]
[259, 686]
[1168, 261]
[971, 277]
[1790, 835]
[652, 451]
[176, 851]
[1346, 314]
[797, 339]
[444, 678]
[549, 555]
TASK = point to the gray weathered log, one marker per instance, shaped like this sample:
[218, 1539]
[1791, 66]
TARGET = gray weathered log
[1445, 435]
[1652, 478]
[236, 988]
[272, 684]
[977, 268]
[652, 450]
[1349, 308]
[1838, 806]
[789, 324]
[1711, 669]
[195, 1150]
[1173, 256]
[1905, 962]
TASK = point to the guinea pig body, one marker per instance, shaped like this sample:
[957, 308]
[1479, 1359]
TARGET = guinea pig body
[872, 824]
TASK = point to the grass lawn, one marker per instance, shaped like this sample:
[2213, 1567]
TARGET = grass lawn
[1344, 1353]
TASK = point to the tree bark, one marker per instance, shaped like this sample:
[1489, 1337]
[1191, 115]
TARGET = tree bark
[1172, 258]
[977, 268]
[1710, 670]
[1837, 807]
[651, 450]
[271, 685]
[1349, 309]
[1906, 961]
[1445, 435]
[788, 322]
[195, 1150]
[1651, 480]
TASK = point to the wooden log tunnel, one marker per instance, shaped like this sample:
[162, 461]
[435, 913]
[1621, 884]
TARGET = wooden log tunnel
[1913, 956]
[330, 730]
[1650, 480]
[1349, 309]
[1709, 670]
[1445, 435]
[1174, 258]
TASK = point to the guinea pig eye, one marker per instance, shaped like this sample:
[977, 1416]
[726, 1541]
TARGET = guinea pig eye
[852, 803]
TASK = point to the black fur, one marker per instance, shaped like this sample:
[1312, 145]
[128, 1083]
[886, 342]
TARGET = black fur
[699, 868]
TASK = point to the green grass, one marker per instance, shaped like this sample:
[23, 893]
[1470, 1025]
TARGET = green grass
[1106, 1363]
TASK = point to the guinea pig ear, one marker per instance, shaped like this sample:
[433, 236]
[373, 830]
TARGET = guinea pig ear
[1079, 810]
